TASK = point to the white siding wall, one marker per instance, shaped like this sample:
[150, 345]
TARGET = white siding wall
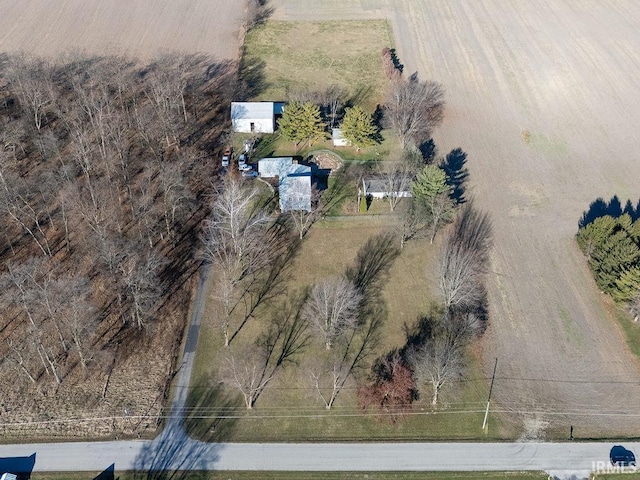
[260, 125]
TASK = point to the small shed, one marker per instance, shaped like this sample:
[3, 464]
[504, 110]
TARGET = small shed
[270, 167]
[376, 187]
[255, 117]
[338, 139]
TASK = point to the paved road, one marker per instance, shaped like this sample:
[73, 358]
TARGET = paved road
[317, 457]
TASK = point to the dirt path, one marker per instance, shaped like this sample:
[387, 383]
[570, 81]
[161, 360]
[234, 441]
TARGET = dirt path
[140, 28]
[542, 95]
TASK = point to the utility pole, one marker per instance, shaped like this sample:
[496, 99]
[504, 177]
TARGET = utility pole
[486, 413]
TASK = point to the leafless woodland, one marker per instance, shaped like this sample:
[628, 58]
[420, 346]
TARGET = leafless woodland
[105, 169]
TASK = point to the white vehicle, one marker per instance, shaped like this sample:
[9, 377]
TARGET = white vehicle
[226, 157]
[250, 173]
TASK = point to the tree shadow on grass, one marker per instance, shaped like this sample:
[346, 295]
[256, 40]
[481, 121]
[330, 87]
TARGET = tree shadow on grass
[252, 79]
[372, 264]
[187, 449]
[417, 334]
[613, 208]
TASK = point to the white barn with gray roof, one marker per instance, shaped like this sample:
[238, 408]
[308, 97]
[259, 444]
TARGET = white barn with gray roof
[255, 117]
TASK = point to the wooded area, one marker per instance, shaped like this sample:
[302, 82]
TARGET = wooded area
[105, 171]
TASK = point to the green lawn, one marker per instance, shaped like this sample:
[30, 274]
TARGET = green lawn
[284, 56]
[289, 409]
[273, 145]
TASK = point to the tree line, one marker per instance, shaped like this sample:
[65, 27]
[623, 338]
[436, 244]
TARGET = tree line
[612, 247]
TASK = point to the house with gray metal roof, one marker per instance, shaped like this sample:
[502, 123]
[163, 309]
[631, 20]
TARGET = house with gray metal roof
[294, 181]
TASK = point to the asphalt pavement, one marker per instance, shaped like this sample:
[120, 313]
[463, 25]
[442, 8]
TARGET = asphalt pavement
[190, 454]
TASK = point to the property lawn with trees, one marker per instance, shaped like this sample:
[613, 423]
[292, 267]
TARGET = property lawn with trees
[315, 347]
[290, 408]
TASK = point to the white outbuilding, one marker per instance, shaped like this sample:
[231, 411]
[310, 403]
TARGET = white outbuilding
[337, 138]
[255, 117]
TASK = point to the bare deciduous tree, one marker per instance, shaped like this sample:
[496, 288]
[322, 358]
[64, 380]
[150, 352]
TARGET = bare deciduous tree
[332, 101]
[30, 79]
[413, 109]
[253, 368]
[247, 371]
[302, 218]
[328, 378]
[435, 363]
[459, 276]
[332, 308]
[410, 222]
[346, 358]
[234, 240]
[464, 259]
[440, 358]
[397, 180]
[142, 284]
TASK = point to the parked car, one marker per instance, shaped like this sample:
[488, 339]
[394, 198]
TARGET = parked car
[226, 157]
[250, 173]
[245, 167]
[621, 457]
[242, 161]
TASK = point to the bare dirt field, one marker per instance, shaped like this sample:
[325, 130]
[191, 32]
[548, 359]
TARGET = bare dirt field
[543, 96]
[139, 28]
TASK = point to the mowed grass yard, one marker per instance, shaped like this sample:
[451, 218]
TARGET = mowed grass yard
[291, 56]
[290, 410]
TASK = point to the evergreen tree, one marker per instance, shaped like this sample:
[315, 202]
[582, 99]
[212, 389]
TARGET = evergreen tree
[617, 254]
[430, 182]
[627, 285]
[301, 122]
[358, 128]
[432, 190]
[594, 235]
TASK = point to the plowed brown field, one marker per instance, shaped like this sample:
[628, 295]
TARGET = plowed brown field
[139, 28]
